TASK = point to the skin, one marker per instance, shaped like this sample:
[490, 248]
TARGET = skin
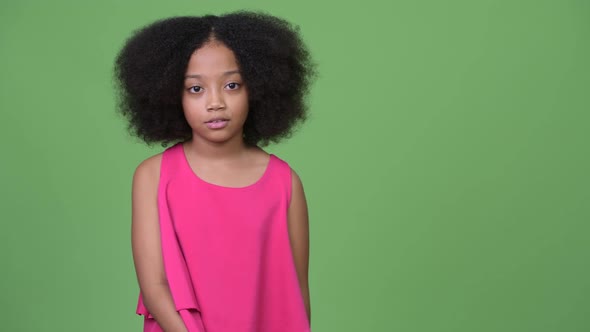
[213, 87]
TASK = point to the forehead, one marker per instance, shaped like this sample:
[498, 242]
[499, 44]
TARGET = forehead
[212, 59]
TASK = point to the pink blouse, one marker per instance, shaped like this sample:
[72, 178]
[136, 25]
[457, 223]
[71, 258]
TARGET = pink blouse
[226, 251]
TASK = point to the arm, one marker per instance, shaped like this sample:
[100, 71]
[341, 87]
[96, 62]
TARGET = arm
[146, 247]
[299, 237]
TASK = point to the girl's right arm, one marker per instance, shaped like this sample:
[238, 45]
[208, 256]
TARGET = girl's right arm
[146, 247]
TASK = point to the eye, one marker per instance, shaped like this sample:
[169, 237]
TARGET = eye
[233, 85]
[195, 89]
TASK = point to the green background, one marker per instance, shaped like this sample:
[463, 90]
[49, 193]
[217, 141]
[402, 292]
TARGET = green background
[445, 162]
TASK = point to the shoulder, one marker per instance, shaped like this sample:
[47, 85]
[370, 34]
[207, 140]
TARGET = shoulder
[296, 182]
[148, 171]
[288, 169]
[297, 200]
[151, 165]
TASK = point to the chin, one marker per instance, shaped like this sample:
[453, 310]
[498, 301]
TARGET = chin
[219, 139]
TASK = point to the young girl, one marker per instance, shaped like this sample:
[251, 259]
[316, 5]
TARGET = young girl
[220, 235]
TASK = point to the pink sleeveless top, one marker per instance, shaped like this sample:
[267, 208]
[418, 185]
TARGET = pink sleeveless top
[226, 251]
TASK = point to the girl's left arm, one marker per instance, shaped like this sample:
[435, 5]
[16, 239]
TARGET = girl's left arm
[299, 236]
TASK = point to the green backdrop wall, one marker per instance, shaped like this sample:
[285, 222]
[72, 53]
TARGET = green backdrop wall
[445, 162]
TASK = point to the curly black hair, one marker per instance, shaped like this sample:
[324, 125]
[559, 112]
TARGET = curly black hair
[273, 59]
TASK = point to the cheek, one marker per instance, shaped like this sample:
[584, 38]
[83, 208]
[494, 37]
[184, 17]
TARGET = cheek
[190, 107]
[241, 105]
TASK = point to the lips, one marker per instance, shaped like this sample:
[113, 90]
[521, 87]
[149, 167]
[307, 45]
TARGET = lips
[216, 120]
[217, 123]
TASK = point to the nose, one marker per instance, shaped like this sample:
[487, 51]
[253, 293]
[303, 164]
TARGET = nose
[215, 101]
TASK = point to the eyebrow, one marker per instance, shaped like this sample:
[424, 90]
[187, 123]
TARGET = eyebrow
[224, 74]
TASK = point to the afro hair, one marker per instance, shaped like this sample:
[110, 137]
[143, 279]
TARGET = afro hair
[274, 62]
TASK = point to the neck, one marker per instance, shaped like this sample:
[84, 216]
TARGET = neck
[216, 151]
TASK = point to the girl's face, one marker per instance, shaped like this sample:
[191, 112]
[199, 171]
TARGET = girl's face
[215, 100]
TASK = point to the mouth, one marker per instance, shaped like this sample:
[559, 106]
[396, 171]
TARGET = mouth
[217, 123]
[216, 120]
